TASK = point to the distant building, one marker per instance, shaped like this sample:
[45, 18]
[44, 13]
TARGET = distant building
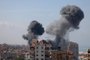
[61, 55]
[9, 56]
[27, 56]
[73, 46]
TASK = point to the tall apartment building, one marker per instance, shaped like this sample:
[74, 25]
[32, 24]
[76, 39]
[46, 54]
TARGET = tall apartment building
[40, 52]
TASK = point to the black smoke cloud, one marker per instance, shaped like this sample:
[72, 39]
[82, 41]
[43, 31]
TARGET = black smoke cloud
[36, 28]
[73, 14]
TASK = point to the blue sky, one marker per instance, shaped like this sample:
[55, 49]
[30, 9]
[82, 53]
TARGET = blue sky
[15, 16]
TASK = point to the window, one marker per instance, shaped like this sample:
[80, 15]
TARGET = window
[42, 51]
[42, 47]
[42, 59]
[37, 59]
[37, 51]
[36, 54]
[41, 55]
[36, 47]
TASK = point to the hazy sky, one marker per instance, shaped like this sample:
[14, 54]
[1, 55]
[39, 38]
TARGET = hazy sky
[15, 16]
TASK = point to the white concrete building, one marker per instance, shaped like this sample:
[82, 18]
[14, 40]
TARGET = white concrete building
[40, 52]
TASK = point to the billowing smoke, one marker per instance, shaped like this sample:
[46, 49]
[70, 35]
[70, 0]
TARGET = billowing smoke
[71, 16]
[34, 30]
[59, 27]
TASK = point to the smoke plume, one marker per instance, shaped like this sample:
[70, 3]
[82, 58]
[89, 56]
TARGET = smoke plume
[71, 16]
[59, 27]
[34, 30]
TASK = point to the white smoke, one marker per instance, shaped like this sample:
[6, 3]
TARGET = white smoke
[59, 27]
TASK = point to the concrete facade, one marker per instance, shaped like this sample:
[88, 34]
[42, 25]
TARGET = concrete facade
[39, 52]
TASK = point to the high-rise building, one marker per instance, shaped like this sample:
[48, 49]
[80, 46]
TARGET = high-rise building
[40, 52]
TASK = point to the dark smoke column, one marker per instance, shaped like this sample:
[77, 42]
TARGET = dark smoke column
[35, 29]
[71, 16]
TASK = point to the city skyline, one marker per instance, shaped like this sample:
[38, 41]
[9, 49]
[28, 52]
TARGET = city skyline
[15, 16]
